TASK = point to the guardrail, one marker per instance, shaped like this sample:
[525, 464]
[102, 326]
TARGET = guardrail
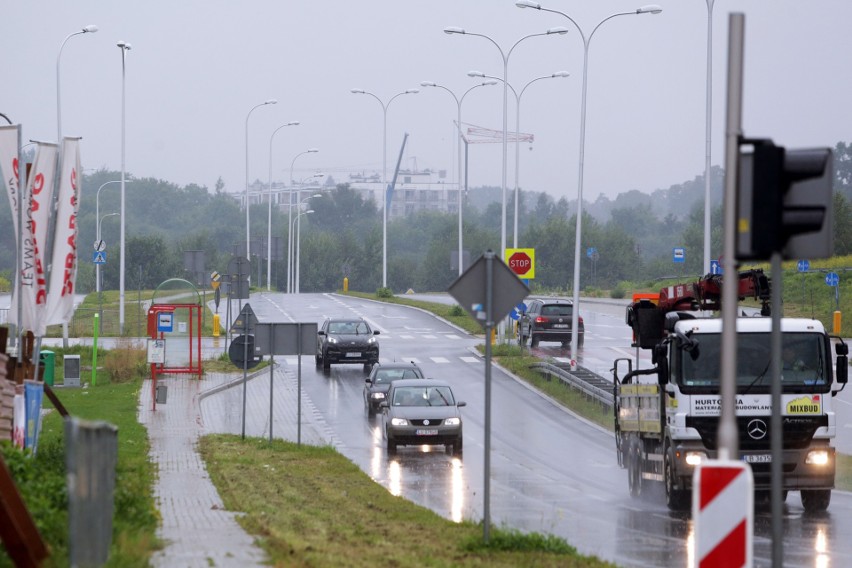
[577, 381]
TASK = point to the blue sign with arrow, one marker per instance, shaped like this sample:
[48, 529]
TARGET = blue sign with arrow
[832, 279]
[803, 265]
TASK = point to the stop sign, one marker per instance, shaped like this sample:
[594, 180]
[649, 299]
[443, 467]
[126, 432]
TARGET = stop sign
[520, 263]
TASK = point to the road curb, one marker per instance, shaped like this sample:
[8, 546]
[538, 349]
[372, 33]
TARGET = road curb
[437, 317]
[229, 384]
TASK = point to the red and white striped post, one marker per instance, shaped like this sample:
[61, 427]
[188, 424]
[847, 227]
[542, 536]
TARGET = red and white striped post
[723, 512]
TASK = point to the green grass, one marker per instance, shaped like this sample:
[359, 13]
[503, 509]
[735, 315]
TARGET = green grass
[41, 478]
[310, 506]
[452, 313]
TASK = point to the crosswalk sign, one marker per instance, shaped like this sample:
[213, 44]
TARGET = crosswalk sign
[99, 257]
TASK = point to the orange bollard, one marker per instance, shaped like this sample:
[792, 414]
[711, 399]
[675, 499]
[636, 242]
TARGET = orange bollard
[838, 319]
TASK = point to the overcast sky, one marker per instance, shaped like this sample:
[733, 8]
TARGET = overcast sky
[197, 68]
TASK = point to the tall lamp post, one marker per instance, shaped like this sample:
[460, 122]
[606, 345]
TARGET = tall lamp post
[459, 101]
[384, 173]
[269, 221]
[90, 29]
[98, 227]
[707, 120]
[124, 47]
[290, 217]
[298, 233]
[298, 245]
[248, 227]
[650, 9]
[505, 55]
[518, 96]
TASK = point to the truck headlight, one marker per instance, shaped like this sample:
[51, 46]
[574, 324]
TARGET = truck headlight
[378, 395]
[817, 457]
[694, 458]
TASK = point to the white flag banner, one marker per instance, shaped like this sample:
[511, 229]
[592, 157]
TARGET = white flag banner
[32, 284]
[10, 137]
[63, 265]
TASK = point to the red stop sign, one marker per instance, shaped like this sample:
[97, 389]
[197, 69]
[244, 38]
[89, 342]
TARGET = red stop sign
[520, 263]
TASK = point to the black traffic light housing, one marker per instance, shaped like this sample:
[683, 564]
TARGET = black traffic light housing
[784, 201]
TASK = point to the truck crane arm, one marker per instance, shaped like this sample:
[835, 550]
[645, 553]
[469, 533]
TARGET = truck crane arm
[647, 318]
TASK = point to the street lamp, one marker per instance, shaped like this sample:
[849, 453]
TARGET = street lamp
[290, 217]
[97, 225]
[505, 55]
[518, 96]
[124, 47]
[298, 245]
[708, 116]
[248, 228]
[459, 102]
[269, 221]
[650, 9]
[384, 173]
[90, 29]
[298, 238]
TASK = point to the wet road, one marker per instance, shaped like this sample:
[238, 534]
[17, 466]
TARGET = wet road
[550, 471]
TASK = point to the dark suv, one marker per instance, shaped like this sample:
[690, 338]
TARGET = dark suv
[549, 320]
[347, 340]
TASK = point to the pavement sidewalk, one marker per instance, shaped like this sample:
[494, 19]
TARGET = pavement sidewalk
[195, 526]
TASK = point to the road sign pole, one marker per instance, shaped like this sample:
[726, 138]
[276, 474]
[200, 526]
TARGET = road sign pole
[245, 369]
[489, 324]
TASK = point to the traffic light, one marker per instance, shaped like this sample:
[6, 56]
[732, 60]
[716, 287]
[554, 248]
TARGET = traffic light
[784, 202]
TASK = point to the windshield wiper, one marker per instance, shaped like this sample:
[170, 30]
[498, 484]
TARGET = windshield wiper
[758, 378]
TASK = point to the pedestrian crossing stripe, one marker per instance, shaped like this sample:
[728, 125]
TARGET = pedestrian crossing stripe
[293, 361]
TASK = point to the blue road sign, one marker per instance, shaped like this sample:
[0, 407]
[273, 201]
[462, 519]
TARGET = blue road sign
[518, 311]
[99, 257]
[679, 254]
[832, 279]
[590, 252]
[715, 267]
[803, 265]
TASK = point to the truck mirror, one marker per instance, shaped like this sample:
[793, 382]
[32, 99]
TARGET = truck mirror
[842, 369]
[841, 349]
[663, 372]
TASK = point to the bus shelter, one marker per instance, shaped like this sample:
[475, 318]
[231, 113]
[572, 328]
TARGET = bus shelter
[174, 332]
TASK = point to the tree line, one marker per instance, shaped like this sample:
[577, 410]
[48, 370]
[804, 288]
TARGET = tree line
[633, 235]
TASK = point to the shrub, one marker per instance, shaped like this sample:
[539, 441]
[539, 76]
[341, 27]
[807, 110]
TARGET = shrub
[384, 293]
[456, 311]
[126, 364]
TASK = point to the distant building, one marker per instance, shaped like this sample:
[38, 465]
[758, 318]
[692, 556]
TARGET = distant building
[414, 191]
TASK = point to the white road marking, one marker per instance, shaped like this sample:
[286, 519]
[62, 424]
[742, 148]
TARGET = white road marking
[440, 359]
[470, 359]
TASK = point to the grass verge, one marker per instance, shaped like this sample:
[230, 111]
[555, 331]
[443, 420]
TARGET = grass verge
[41, 478]
[310, 506]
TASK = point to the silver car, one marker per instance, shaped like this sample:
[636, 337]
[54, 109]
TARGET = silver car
[418, 412]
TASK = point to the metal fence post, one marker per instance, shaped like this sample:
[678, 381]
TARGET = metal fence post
[91, 457]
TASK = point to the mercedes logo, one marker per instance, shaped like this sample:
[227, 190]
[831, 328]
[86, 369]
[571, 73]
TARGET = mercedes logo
[756, 429]
[425, 422]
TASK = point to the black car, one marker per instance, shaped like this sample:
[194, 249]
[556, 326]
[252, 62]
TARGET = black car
[549, 320]
[347, 340]
[379, 382]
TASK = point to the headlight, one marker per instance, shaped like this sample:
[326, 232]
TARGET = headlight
[452, 421]
[332, 340]
[817, 457]
[371, 340]
[399, 422]
[378, 395]
[695, 458]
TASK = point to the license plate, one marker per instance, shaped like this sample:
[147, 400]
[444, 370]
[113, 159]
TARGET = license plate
[560, 325]
[353, 354]
[758, 458]
[426, 432]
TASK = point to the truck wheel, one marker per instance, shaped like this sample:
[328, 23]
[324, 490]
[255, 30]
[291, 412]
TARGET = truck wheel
[634, 470]
[676, 499]
[816, 500]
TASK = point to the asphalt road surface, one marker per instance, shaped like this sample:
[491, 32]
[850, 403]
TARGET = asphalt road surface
[551, 471]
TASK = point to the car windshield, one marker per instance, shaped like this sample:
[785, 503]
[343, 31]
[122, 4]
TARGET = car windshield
[556, 310]
[348, 328]
[803, 363]
[385, 376]
[423, 396]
